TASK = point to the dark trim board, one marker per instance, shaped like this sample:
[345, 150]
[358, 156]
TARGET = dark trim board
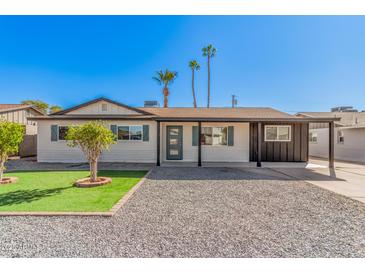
[294, 151]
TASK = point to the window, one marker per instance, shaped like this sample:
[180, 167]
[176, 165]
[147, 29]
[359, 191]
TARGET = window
[104, 107]
[129, 132]
[313, 136]
[214, 136]
[277, 133]
[62, 132]
[340, 137]
[135, 132]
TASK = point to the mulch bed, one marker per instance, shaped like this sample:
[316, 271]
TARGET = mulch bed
[8, 180]
[85, 182]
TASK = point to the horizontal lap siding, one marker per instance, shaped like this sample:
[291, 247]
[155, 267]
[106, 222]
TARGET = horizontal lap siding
[122, 151]
[294, 151]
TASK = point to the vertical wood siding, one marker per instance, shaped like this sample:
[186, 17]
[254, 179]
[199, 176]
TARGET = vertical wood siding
[294, 151]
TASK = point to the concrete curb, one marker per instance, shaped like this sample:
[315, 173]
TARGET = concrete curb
[109, 213]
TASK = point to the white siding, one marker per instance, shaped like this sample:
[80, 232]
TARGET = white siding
[353, 148]
[239, 152]
[123, 151]
[145, 152]
[96, 108]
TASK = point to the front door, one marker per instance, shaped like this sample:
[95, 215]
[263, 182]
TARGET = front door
[174, 142]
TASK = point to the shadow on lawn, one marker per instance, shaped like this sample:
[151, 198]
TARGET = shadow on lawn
[27, 196]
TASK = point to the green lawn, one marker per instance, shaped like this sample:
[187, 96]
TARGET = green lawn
[54, 191]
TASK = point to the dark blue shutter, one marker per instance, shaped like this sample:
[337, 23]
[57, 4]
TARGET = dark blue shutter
[195, 136]
[114, 129]
[230, 136]
[54, 133]
[146, 133]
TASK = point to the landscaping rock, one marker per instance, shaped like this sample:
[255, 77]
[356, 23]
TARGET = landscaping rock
[202, 212]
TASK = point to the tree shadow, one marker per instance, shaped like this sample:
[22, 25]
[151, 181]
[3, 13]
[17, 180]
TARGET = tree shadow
[28, 196]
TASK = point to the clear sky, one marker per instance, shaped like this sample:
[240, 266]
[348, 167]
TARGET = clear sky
[292, 63]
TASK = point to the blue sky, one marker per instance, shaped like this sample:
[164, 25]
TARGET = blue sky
[293, 63]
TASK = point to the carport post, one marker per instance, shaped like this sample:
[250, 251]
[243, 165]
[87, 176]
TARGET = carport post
[199, 144]
[158, 144]
[259, 141]
[331, 144]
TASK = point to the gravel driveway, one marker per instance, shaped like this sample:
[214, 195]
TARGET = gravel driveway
[202, 212]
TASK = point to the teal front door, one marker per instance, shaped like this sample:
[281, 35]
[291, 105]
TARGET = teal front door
[174, 142]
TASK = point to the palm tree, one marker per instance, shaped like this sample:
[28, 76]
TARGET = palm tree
[165, 79]
[209, 52]
[194, 65]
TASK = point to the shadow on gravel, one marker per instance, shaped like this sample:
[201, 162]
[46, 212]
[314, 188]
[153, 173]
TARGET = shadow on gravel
[27, 196]
[225, 173]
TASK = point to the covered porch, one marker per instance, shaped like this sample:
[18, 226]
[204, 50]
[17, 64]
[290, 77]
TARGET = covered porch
[256, 155]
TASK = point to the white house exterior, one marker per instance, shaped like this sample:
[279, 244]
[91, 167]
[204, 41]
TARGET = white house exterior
[160, 135]
[349, 134]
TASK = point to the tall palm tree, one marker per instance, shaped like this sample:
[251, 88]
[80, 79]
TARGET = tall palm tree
[209, 52]
[194, 65]
[165, 79]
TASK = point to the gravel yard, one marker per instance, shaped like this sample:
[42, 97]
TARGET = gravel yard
[202, 212]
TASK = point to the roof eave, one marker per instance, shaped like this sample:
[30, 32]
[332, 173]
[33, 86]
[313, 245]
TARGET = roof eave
[184, 119]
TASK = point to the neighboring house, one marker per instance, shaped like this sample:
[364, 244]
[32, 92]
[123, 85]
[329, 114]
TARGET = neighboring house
[155, 135]
[349, 135]
[20, 113]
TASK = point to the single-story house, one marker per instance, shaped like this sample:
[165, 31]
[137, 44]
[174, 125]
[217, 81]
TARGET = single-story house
[20, 113]
[349, 135]
[181, 134]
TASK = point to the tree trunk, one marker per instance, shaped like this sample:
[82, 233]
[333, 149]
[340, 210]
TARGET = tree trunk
[2, 163]
[208, 105]
[192, 86]
[93, 170]
[165, 97]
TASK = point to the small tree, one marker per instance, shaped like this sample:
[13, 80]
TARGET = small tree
[55, 108]
[11, 135]
[92, 138]
[42, 106]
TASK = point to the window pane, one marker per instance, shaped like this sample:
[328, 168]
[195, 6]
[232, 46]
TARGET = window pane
[136, 132]
[62, 131]
[313, 137]
[206, 136]
[174, 131]
[173, 141]
[219, 136]
[123, 133]
[340, 137]
[284, 133]
[271, 133]
[174, 152]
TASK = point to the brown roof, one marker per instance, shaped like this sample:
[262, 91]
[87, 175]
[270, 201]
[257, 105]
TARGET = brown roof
[217, 112]
[243, 114]
[13, 107]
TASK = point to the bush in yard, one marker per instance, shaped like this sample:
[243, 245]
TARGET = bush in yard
[92, 138]
[11, 135]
